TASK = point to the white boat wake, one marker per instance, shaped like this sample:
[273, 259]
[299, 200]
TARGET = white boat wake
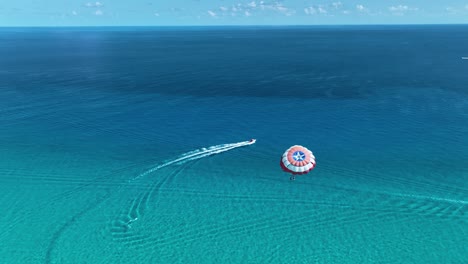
[197, 154]
[134, 213]
[432, 198]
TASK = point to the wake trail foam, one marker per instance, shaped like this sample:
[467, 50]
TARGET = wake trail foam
[196, 154]
[433, 198]
[123, 224]
[198, 151]
[212, 153]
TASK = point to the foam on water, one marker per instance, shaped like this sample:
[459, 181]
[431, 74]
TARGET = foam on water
[136, 209]
[196, 154]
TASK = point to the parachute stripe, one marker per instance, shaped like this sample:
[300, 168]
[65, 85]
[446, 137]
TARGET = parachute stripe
[297, 160]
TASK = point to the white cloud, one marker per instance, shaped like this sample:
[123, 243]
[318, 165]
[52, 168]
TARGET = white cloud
[251, 8]
[282, 9]
[262, 5]
[94, 4]
[402, 8]
[466, 7]
[310, 10]
[346, 12]
[337, 5]
[322, 10]
[361, 8]
[276, 6]
[156, 14]
[211, 13]
[98, 13]
[74, 13]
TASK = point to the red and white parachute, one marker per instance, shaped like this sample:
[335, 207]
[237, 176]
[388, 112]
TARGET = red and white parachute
[297, 160]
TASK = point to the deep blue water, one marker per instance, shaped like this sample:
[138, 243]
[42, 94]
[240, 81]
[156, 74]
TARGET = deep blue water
[85, 110]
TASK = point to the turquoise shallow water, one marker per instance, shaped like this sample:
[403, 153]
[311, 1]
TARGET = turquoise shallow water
[390, 185]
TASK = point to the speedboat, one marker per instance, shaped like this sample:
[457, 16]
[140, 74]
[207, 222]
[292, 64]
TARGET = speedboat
[252, 141]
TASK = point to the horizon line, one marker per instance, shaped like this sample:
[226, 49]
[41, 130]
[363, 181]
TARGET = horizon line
[247, 25]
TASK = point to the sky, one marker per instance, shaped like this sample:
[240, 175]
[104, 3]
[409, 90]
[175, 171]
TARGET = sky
[229, 12]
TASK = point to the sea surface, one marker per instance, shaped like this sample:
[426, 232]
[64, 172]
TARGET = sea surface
[126, 145]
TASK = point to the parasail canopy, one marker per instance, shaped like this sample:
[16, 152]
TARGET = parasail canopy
[297, 160]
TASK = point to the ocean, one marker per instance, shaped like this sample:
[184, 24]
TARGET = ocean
[127, 144]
